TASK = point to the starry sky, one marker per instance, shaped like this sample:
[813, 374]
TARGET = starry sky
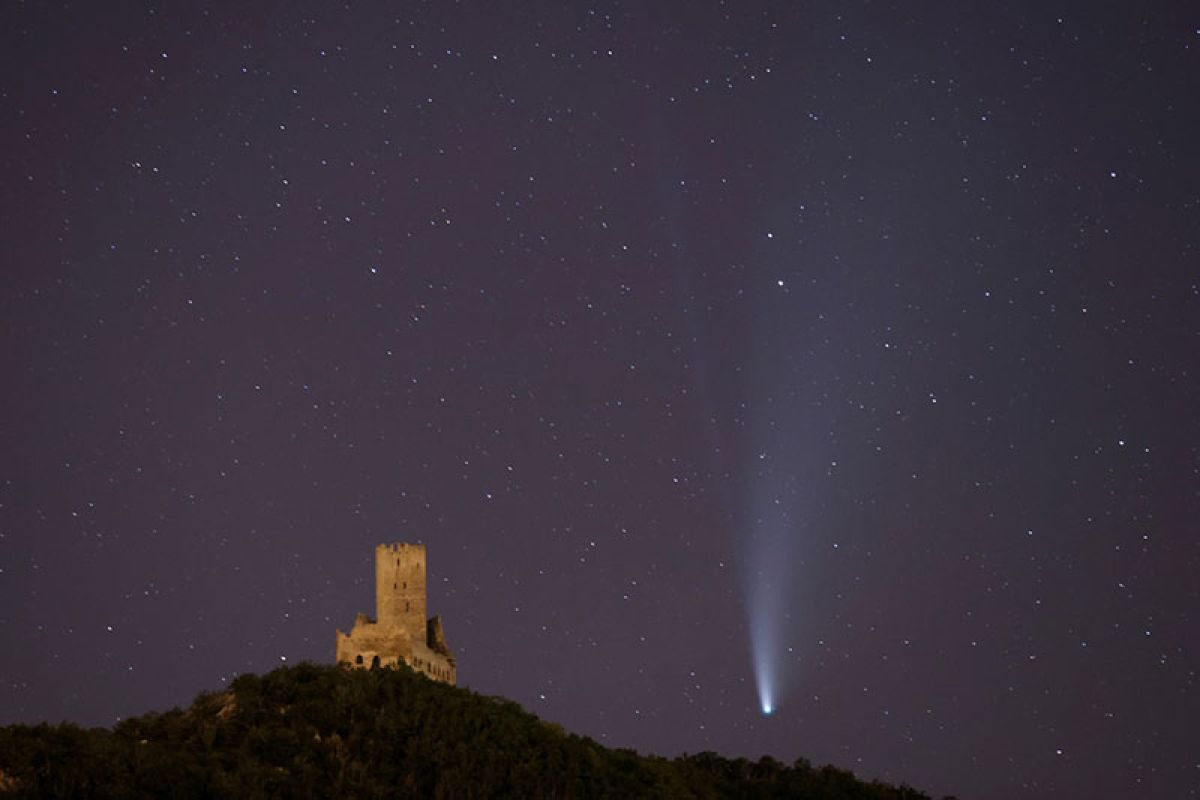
[866, 330]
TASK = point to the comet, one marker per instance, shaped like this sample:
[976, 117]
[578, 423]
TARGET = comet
[769, 580]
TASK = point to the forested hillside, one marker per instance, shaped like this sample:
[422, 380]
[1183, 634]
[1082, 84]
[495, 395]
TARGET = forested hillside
[319, 731]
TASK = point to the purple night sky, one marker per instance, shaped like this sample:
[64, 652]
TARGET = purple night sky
[852, 345]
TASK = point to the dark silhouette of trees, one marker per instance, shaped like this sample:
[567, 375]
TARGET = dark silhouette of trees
[317, 731]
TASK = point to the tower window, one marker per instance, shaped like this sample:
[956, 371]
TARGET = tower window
[358, 659]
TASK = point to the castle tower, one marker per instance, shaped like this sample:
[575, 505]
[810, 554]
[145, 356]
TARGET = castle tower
[400, 633]
[400, 587]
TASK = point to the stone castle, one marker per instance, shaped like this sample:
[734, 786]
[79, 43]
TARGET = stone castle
[399, 633]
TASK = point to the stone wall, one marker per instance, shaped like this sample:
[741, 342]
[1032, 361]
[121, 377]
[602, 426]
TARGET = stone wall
[400, 633]
[400, 587]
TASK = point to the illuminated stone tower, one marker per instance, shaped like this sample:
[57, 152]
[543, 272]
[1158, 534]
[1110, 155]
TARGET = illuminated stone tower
[400, 587]
[399, 633]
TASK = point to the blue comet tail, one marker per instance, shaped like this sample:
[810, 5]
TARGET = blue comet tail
[771, 599]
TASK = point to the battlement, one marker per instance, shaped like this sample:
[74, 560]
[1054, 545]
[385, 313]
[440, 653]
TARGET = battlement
[399, 633]
[399, 548]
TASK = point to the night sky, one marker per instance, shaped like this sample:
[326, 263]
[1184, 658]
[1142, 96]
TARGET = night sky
[842, 353]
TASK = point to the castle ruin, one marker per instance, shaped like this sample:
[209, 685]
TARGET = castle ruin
[399, 633]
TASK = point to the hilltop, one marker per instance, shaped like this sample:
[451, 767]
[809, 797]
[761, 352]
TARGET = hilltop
[320, 731]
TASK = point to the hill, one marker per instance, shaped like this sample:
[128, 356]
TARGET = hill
[320, 731]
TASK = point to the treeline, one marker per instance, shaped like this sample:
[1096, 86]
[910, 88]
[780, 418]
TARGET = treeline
[318, 731]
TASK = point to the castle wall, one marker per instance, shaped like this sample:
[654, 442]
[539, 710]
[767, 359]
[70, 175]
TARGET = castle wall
[400, 634]
[433, 664]
[369, 641]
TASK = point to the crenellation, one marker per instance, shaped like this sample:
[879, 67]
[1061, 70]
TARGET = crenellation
[399, 633]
